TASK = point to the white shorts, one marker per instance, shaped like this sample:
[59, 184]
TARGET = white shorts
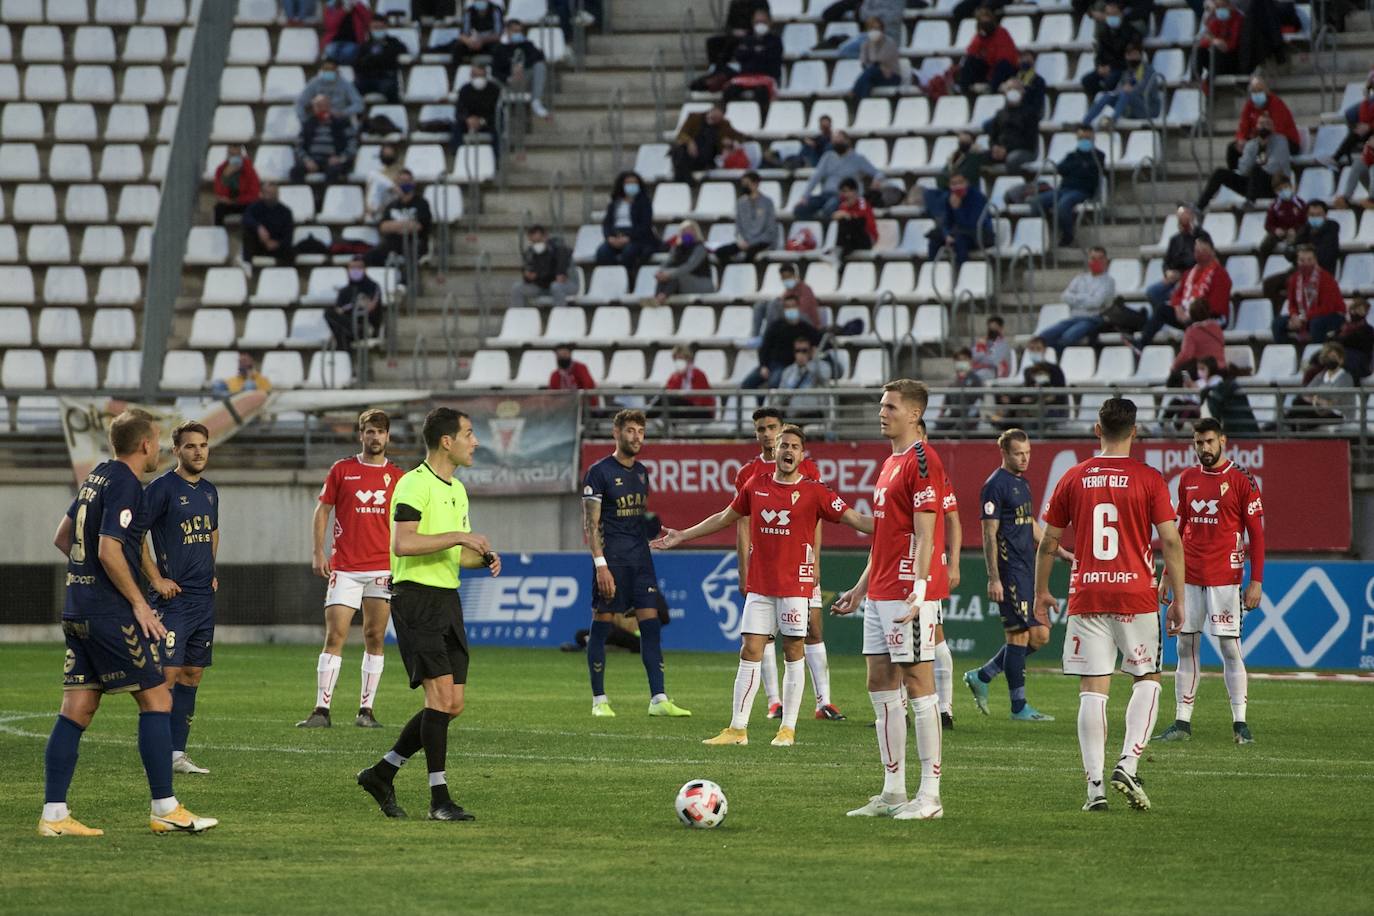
[1091, 642]
[350, 588]
[904, 643]
[764, 615]
[1217, 606]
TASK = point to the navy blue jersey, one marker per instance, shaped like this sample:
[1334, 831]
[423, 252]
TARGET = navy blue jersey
[1007, 498]
[624, 496]
[107, 504]
[181, 517]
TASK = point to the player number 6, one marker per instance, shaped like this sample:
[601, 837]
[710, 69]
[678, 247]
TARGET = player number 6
[1105, 538]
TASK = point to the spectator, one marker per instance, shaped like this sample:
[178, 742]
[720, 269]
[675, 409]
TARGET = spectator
[991, 57]
[687, 377]
[1080, 178]
[480, 32]
[821, 196]
[236, 183]
[813, 148]
[720, 49]
[1014, 132]
[1215, 392]
[1320, 407]
[381, 182]
[732, 156]
[756, 222]
[1314, 309]
[758, 60]
[570, 374]
[628, 226]
[1261, 101]
[475, 110]
[1036, 372]
[1360, 117]
[805, 371]
[357, 309]
[698, 141]
[377, 66]
[1206, 279]
[326, 146]
[777, 348]
[688, 268]
[298, 12]
[770, 310]
[1088, 296]
[1178, 257]
[1203, 339]
[1033, 83]
[588, 16]
[991, 354]
[1111, 38]
[1322, 234]
[405, 214]
[880, 59]
[344, 98]
[857, 230]
[967, 159]
[1135, 95]
[1283, 218]
[521, 66]
[267, 227]
[1263, 161]
[1220, 33]
[346, 26]
[962, 409]
[1358, 338]
[545, 270]
[248, 378]
[428, 10]
[965, 225]
[1359, 172]
[1352, 112]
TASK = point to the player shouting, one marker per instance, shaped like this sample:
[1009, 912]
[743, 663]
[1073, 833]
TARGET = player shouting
[1215, 503]
[767, 425]
[1111, 500]
[615, 496]
[784, 510]
[180, 511]
[112, 634]
[899, 624]
[358, 489]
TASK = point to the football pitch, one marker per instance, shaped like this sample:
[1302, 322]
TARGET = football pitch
[575, 814]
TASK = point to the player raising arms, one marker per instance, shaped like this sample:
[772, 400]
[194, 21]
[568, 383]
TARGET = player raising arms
[358, 489]
[1111, 500]
[180, 511]
[767, 426]
[1216, 502]
[899, 624]
[1010, 533]
[615, 496]
[944, 579]
[784, 510]
[112, 634]
[431, 540]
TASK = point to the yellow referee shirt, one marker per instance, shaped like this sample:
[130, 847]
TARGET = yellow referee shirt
[440, 506]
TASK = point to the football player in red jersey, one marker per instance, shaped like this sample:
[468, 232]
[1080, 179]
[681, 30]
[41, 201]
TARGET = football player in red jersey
[1218, 505]
[944, 579]
[358, 567]
[899, 623]
[1111, 500]
[784, 509]
[767, 425]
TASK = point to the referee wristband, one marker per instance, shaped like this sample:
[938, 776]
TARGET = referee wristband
[598, 562]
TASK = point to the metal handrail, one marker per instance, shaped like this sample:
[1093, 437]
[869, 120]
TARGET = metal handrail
[658, 81]
[615, 127]
[472, 206]
[558, 222]
[686, 35]
[1144, 224]
[481, 280]
[441, 219]
[885, 297]
[1026, 292]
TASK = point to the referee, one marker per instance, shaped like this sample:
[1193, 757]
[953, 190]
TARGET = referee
[430, 541]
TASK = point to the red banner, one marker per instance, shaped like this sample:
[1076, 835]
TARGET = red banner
[690, 480]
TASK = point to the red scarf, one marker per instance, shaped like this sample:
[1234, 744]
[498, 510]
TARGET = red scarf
[1198, 281]
[1306, 290]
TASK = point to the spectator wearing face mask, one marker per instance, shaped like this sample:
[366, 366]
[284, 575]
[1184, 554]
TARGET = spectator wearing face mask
[405, 214]
[756, 222]
[520, 64]
[1260, 101]
[545, 268]
[1262, 163]
[1032, 83]
[880, 59]
[961, 410]
[357, 309]
[965, 226]
[1320, 407]
[805, 371]
[1202, 339]
[1220, 32]
[758, 53]
[1088, 296]
[344, 98]
[856, 229]
[821, 196]
[991, 354]
[687, 377]
[777, 348]
[1357, 337]
[377, 67]
[1283, 218]
[569, 374]
[475, 110]
[628, 226]
[1014, 132]
[720, 48]
[481, 29]
[1110, 39]
[346, 26]
[1314, 310]
[1080, 179]
[326, 146]
[770, 310]
[991, 56]
[236, 184]
[688, 268]
[1206, 280]
[1135, 95]
[381, 182]
[1028, 409]
[1323, 234]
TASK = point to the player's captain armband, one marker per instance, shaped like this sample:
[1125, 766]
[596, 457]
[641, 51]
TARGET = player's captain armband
[598, 562]
[406, 513]
[589, 493]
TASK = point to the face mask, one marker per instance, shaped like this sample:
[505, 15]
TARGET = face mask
[1013, 98]
[329, 76]
[840, 148]
[1223, 14]
[1133, 62]
[875, 35]
[993, 333]
[1316, 222]
[965, 145]
[761, 29]
[631, 189]
[236, 161]
[1035, 357]
[792, 314]
[680, 365]
[517, 37]
[538, 247]
[407, 188]
[1085, 146]
[1097, 267]
[356, 275]
[1285, 194]
[479, 83]
[387, 158]
[480, 6]
[565, 362]
[1113, 22]
[986, 28]
[1259, 98]
[962, 365]
[789, 283]
[687, 238]
[1330, 362]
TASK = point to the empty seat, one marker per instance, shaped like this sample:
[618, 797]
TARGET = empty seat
[86, 203]
[137, 204]
[126, 122]
[16, 285]
[16, 329]
[34, 203]
[224, 286]
[94, 44]
[249, 47]
[74, 369]
[284, 367]
[22, 121]
[183, 369]
[308, 329]
[343, 204]
[145, 45]
[19, 162]
[211, 329]
[283, 84]
[122, 369]
[73, 121]
[264, 329]
[120, 162]
[41, 44]
[23, 369]
[64, 286]
[93, 83]
[60, 327]
[240, 84]
[490, 368]
[48, 245]
[426, 83]
[112, 328]
[1079, 364]
[207, 245]
[277, 286]
[119, 286]
[330, 369]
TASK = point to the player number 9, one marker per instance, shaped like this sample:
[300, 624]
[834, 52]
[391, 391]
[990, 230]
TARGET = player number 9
[1105, 540]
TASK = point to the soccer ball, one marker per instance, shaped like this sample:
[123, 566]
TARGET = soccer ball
[700, 803]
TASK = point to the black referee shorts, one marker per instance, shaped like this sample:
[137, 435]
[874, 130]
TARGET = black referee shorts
[429, 632]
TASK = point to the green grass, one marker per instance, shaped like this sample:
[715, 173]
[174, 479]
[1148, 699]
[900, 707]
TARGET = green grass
[575, 814]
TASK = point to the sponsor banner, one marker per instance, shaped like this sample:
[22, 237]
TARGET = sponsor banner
[691, 480]
[527, 443]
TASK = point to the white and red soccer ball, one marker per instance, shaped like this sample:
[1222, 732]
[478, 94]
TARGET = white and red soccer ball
[701, 803]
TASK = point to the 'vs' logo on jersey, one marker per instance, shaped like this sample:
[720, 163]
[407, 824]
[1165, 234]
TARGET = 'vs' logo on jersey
[375, 497]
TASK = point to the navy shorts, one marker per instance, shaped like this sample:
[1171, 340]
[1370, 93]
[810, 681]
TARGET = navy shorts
[635, 587]
[1018, 607]
[110, 654]
[190, 624]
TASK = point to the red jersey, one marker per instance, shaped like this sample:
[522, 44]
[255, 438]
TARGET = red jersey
[909, 482]
[938, 589]
[762, 466]
[782, 530]
[1214, 505]
[1111, 502]
[361, 496]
